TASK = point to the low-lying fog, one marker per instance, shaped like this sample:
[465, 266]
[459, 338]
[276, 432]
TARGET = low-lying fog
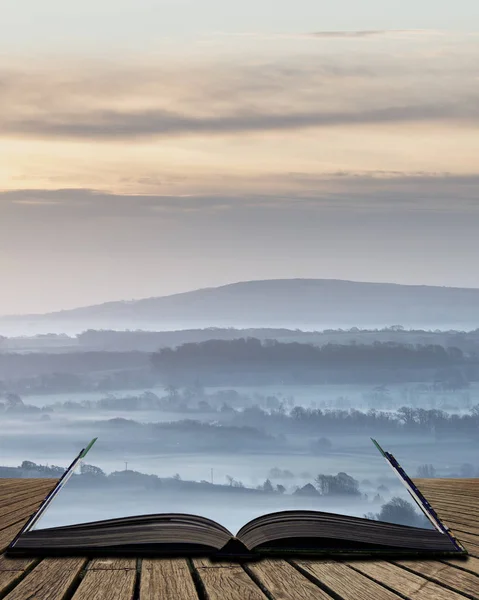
[233, 509]
[276, 438]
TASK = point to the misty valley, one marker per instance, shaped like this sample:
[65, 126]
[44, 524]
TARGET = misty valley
[236, 428]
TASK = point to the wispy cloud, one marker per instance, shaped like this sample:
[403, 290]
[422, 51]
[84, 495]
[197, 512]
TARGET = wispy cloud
[360, 191]
[366, 33]
[305, 90]
[108, 124]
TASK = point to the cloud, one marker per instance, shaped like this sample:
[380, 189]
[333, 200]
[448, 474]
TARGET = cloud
[376, 191]
[109, 124]
[429, 81]
[360, 34]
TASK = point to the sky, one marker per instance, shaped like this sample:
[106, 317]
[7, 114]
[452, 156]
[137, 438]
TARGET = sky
[152, 147]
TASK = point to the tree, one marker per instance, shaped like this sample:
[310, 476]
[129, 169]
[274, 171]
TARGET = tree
[13, 401]
[173, 393]
[426, 471]
[29, 465]
[92, 471]
[322, 445]
[398, 511]
[268, 486]
[340, 484]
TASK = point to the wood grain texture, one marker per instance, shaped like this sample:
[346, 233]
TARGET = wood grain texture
[15, 564]
[454, 501]
[469, 564]
[445, 574]
[345, 582]
[8, 579]
[12, 570]
[112, 564]
[409, 584]
[471, 527]
[51, 579]
[440, 483]
[30, 504]
[107, 584]
[7, 534]
[9, 487]
[22, 514]
[228, 582]
[285, 582]
[35, 495]
[467, 540]
[17, 483]
[166, 580]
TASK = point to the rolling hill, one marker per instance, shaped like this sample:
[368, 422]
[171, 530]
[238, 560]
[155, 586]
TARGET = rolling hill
[310, 304]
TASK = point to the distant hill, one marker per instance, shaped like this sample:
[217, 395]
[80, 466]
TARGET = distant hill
[309, 304]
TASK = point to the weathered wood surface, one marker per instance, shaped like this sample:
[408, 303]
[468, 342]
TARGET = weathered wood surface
[408, 584]
[226, 581]
[456, 501]
[166, 580]
[108, 580]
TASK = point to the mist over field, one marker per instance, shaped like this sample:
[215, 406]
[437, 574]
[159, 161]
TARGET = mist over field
[233, 423]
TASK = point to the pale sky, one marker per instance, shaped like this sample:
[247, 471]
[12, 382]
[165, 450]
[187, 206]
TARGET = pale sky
[152, 147]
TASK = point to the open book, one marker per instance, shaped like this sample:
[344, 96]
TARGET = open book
[291, 532]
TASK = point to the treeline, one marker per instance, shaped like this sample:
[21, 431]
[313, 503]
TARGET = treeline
[151, 341]
[14, 365]
[184, 436]
[255, 361]
[405, 420]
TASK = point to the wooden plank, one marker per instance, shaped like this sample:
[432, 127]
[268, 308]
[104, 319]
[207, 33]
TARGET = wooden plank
[345, 582]
[464, 527]
[33, 493]
[467, 539]
[461, 581]
[12, 570]
[15, 564]
[7, 535]
[8, 486]
[283, 581]
[469, 564]
[18, 505]
[413, 586]
[451, 513]
[462, 524]
[466, 521]
[8, 579]
[452, 499]
[466, 484]
[166, 580]
[107, 584]
[111, 564]
[52, 579]
[19, 515]
[227, 581]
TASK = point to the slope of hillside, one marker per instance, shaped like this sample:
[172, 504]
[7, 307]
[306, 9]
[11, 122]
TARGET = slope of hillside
[294, 303]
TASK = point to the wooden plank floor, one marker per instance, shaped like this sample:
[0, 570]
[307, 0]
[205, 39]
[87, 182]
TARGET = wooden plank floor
[456, 501]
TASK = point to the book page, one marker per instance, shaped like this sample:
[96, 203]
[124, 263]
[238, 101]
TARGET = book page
[231, 488]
